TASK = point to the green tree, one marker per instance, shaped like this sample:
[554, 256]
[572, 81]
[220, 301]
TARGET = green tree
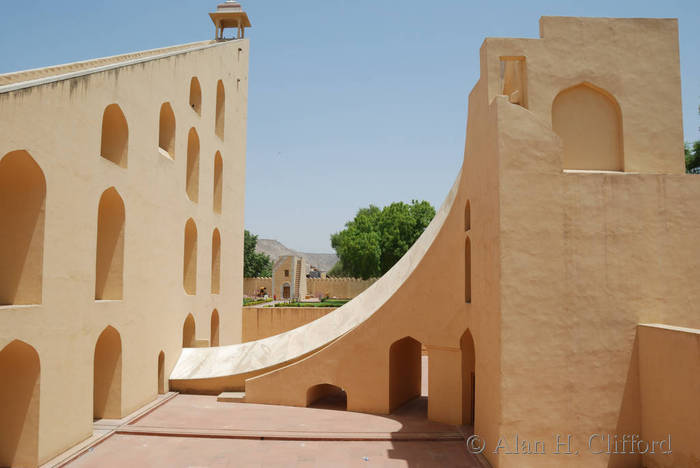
[376, 238]
[255, 264]
[692, 156]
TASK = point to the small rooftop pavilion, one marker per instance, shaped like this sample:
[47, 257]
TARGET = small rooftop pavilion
[230, 14]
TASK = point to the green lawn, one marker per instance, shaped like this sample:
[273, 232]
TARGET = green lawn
[326, 303]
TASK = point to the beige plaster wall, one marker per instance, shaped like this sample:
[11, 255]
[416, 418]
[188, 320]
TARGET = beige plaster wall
[345, 288]
[59, 125]
[251, 286]
[669, 376]
[261, 322]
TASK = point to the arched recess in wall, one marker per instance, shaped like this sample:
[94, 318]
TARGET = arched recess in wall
[468, 270]
[109, 268]
[216, 262]
[20, 374]
[468, 216]
[214, 335]
[166, 133]
[220, 109]
[192, 176]
[589, 122]
[468, 378]
[327, 396]
[404, 371]
[22, 208]
[115, 135]
[196, 95]
[107, 390]
[188, 332]
[162, 387]
[189, 276]
[218, 181]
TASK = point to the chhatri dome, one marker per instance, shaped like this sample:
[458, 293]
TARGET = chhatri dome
[230, 14]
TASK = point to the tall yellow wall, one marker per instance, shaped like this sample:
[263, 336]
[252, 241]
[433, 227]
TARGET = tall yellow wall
[261, 322]
[59, 124]
[669, 376]
[345, 288]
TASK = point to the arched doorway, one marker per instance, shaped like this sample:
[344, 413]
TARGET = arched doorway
[286, 291]
[405, 371]
[19, 405]
[214, 336]
[22, 205]
[326, 396]
[107, 376]
[109, 263]
[468, 378]
[188, 332]
[161, 374]
[589, 122]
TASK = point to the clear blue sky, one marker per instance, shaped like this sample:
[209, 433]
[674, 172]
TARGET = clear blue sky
[351, 102]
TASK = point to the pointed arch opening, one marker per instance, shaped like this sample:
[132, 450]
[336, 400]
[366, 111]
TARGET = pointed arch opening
[468, 378]
[405, 371]
[216, 262]
[192, 176]
[166, 134]
[20, 372]
[115, 135]
[107, 376]
[588, 120]
[327, 396]
[109, 268]
[188, 332]
[468, 216]
[162, 386]
[214, 335]
[189, 276]
[196, 95]
[22, 211]
[218, 182]
[220, 109]
[468, 270]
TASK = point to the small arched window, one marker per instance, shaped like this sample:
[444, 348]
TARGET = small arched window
[22, 205]
[166, 135]
[196, 96]
[189, 276]
[109, 273]
[215, 262]
[468, 270]
[220, 109]
[192, 176]
[115, 136]
[218, 182]
[468, 216]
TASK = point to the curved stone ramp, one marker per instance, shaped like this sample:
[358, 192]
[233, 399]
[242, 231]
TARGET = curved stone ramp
[226, 368]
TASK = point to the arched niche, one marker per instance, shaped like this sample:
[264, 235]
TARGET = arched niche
[20, 379]
[220, 109]
[162, 384]
[22, 211]
[216, 262]
[218, 182]
[107, 376]
[192, 176]
[166, 133]
[589, 122]
[188, 332]
[327, 396]
[214, 335]
[115, 136]
[189, 277]
[109, 265]
[468, 270]
[195, 95]
[467, 215]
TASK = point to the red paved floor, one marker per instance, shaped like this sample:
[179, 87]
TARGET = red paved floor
[198, 431]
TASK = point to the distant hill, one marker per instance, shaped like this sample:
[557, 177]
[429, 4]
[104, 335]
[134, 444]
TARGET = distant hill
[275, 249]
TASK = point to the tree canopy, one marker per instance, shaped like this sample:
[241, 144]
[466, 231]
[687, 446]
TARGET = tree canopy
[692, 156]
[377, 238]
[255, 264]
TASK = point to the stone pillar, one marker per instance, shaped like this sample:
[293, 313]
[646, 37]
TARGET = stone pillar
[445, 385]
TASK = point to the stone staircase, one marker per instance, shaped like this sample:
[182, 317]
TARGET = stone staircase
[297, 278]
